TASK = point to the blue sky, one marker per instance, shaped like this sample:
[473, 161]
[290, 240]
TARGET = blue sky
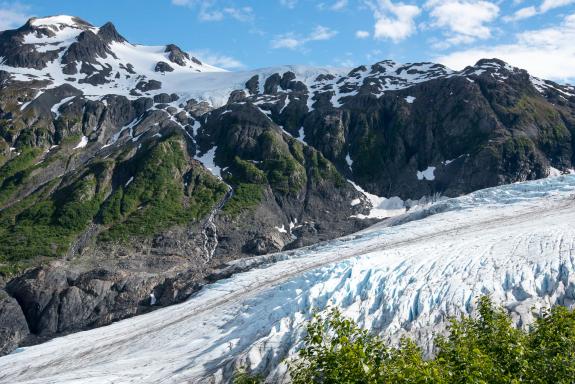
[239, 34]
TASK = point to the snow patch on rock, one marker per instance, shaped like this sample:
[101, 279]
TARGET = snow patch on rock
[83, 142]
[381, 207]
[427, 174]
[208, 160]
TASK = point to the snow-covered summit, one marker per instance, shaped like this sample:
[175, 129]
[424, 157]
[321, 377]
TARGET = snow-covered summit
[53, 33]
[59, 21]
[66, 50]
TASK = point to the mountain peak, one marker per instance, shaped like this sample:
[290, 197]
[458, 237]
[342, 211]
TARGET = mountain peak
[494, 63]
[58, 22]
[109, 33]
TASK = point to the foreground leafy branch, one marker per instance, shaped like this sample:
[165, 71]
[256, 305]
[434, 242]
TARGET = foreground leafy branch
[486, 349]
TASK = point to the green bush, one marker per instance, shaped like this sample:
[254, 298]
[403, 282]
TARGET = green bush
[321, 169]
[248, 172]
[487, 349]
[283, 171]
[242, 377]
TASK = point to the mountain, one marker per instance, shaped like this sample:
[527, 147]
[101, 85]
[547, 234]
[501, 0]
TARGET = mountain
[128, 170]
[403, 277]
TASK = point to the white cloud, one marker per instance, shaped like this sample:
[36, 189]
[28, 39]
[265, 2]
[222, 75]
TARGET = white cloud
[243, 14]
[293, 41]
[345, 63]
[393, 21]
[289, 3]
[321, 33]
[209, 15]
[464, 20]
[521, 14]
[374, 54]
[286, 41]
[338, 5]
[209, 10]
[13, 15]
[362, 34]
[546, 52]
[217, 60]
[548, 5]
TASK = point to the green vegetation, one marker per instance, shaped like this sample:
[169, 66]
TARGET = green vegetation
[71, 140]
[517, 153]
[155, 199]
[369, 155]
[532, 111]
[248, 182]
[284, 173]
[13, 172]
[322, 169]
[482, 350]
[245, 196]
[246, 171]
[41, 225]
[165, 191]
[19, 163]
[242, 377]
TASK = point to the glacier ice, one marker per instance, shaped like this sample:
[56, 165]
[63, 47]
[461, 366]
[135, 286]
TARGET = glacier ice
[406, 275]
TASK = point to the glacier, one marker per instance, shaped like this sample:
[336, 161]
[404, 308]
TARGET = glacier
[404, 276]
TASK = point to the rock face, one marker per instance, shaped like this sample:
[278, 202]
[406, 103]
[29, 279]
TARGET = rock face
[57, 301]
[125, 178]
[13, 326]
[163, 67]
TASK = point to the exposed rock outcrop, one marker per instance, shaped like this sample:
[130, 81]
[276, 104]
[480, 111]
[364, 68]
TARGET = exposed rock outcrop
[13, 326]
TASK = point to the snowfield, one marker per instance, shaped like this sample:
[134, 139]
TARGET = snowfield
[406, 275]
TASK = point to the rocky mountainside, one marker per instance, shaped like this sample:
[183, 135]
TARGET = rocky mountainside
[128, 171]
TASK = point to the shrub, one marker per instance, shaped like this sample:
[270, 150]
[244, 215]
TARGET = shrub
[487, 349]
